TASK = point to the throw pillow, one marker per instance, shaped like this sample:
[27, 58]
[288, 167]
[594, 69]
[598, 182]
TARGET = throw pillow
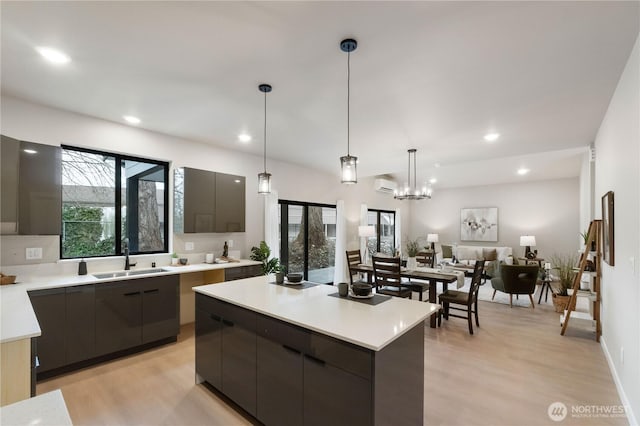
[464, 253]
[489, 254]
[447, 252]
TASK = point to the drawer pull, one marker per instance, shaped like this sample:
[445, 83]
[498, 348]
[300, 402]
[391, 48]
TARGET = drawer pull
[155, 290]
[215, 317]
[314, 359]
[132, 293]
[290, 349]
[227, 323]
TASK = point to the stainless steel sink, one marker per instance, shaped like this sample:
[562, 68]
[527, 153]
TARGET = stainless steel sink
[128, 273]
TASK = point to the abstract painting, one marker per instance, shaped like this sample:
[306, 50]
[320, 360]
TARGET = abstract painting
[479, 224]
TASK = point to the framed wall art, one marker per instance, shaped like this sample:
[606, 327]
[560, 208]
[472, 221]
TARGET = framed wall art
[479, 224]
[607, 229]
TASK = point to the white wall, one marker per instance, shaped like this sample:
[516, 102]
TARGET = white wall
[27, 121]
[617, 169]
[587, 181]
[549, 210]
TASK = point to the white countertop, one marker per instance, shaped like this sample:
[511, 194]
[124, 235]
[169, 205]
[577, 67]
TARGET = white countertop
[18, 320]
[372, 327]
[42, 410]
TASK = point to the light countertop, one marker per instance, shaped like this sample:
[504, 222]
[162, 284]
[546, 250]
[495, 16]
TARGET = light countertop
[18, 320]
[42, 410]
[372, 327]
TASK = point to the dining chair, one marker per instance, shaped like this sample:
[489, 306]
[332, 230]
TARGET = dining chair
[354, 258]
[467, 299]
[426, 258]
[386, 274]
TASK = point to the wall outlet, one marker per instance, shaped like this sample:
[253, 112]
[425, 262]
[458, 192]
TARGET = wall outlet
[230, 243]
[33, 253]
[621, 355]
[188, 246]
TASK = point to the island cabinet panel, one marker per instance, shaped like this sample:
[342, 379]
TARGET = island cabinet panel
[118, 316]
[49, 306]
[209, 347]
[160, 307]
[239, 356]
[80, 323]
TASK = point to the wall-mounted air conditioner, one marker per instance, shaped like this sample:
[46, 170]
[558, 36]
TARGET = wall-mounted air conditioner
[385, 185]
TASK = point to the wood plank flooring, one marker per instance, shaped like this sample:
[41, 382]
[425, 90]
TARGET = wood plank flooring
[507, 373]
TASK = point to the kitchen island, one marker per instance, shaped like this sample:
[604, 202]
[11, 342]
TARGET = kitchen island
[303, 356]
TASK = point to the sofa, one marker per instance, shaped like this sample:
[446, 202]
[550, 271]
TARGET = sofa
[467, 255]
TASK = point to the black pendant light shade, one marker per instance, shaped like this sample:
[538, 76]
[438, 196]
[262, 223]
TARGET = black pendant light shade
[264, 178]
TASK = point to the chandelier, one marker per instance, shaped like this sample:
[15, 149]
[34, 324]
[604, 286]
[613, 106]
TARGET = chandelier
[411, 191]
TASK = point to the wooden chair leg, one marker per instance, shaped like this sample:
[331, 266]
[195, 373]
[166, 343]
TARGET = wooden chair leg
[469, 319]
[476, 312]
[494, 294]
[511, 300]
[533, 306]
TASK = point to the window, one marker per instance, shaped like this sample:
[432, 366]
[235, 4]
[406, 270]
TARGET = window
[385, 239]
[308, 239]
[109, 200]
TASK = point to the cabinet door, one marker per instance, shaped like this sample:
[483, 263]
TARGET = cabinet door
[10, 158]
[118, 316]
[230, 203]
[239, 357]
[199, 200]
[160, 307]
[334, 396]
[80, 323]
[40, 190]
[279, 384]
[50, 307]
[209, 347]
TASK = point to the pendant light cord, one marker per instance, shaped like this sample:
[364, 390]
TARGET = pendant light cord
[265, 132]
[348, 98]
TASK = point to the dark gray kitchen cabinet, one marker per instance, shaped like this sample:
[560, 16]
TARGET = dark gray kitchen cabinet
[118, 316]
[9, 167]
[239, 356]
[230, 203]
[80, 323]
[240, 272]
[209, 346]
[50, 306]
[206, 201]
[160, 307]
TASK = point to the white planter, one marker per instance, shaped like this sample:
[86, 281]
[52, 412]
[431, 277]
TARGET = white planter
[412, 263]
[174, 261]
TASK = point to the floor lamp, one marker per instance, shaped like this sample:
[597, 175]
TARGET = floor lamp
[433, 239]
[366, 231]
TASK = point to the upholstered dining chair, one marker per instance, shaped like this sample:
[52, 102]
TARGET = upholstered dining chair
[386, 274]
[354, 258]
[516, 279]
[426, 258]
[468, 300]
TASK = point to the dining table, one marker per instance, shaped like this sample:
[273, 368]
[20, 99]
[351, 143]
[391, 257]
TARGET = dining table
[431, 275]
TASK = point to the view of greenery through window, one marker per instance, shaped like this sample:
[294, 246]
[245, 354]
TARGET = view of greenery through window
[384, 222]
[90, 201]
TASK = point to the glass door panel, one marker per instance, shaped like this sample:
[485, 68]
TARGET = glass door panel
[322, 246]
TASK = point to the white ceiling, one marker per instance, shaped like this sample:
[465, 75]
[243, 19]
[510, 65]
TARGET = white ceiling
[435, 76]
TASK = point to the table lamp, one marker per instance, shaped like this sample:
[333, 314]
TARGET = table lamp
[433, 239]
[527, 241]
[366, 231]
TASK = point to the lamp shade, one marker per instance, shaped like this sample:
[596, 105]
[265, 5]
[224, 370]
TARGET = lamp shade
[367, 231]
[527, 241]
[432, 238]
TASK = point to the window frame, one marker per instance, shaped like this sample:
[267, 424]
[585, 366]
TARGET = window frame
[118, 237]
[378, 227]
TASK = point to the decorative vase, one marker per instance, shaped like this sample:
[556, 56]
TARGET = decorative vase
[560, 302]
[279, 277]
[412, 263]
[174, 261]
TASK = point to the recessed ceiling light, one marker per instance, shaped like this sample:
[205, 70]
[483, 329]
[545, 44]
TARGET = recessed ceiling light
[491, 137]
[54, 56]
[237, 181]
[522, 171]
[30, 151]
[244, 137]
[433, 180]
[131, 119]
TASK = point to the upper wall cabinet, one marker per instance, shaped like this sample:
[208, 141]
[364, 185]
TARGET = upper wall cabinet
[31, 188]
[207, 201]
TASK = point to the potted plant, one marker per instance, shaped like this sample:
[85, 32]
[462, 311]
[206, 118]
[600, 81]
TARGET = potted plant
[261, 254]
[281, 271]
[565, 267]
[413, 248]
[174, 258]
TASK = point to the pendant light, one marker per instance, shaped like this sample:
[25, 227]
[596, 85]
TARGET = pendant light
[264, 178]
[348, 162]
[411, 192]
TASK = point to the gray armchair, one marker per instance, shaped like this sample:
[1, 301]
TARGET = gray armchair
[516, 279]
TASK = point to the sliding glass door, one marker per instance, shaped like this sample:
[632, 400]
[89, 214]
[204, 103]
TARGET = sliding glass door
[308, 239]
[384, 222]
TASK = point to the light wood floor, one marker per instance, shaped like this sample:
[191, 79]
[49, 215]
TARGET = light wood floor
[506, 374]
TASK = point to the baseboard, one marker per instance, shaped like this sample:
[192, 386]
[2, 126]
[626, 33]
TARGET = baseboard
[623, 396]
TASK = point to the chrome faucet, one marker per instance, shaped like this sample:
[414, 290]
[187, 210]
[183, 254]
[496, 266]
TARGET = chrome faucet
[127, 264]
